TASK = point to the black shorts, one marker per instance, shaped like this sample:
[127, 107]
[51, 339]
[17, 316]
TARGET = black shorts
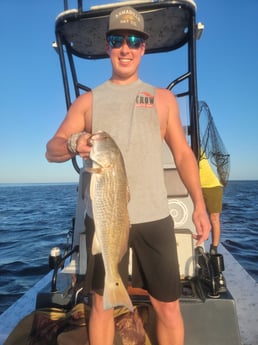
[155, 265]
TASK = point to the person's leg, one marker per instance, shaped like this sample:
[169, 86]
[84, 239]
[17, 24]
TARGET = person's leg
[101, 323]
[213, 200]
[155, 256]
[215, 224]
[170, 325]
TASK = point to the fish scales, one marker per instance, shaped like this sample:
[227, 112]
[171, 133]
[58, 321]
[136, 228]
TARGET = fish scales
[109, 194]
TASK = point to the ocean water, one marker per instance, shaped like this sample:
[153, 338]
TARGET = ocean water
[36, 217]
[33, 219]
[239, 223]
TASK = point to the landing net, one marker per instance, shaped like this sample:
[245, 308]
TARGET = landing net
[212, 145]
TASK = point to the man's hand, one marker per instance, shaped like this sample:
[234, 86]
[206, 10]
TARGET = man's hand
[83, 146]
[203, 226]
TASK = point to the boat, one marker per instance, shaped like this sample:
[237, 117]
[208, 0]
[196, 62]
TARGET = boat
[212, 315]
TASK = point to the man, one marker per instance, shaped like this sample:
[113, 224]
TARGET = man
[213, 194]
[138, 116]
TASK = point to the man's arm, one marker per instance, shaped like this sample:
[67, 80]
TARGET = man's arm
[184, 158]
[77, 121]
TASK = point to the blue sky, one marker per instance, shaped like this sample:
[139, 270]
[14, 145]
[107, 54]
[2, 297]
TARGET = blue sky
[32, 98]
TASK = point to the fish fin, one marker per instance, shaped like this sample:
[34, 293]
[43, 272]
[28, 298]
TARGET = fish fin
[124, 245]
[115, 295]
[95, 245]
[123, 250]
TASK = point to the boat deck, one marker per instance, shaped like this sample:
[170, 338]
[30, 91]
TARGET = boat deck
[244, 289]
[241, 285]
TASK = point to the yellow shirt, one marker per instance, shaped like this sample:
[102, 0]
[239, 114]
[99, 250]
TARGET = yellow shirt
[207, 176]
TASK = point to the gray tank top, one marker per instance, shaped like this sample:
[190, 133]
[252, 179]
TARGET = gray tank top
[128, 114]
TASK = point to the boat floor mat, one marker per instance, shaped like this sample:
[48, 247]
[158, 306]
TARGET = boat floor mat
[53, 326]
[21, 332]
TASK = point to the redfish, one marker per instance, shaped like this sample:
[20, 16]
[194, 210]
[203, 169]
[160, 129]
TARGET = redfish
[110, 195]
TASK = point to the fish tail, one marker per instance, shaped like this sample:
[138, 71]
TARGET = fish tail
[115, 295]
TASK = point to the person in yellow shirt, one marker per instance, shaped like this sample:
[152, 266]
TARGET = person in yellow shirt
[212, 191]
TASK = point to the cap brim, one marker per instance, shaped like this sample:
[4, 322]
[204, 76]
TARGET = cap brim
[142, 34]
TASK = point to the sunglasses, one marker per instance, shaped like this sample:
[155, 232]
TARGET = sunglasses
[116, 41]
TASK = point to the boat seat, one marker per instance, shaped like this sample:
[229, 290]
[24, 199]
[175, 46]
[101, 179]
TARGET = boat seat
[174, 184]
